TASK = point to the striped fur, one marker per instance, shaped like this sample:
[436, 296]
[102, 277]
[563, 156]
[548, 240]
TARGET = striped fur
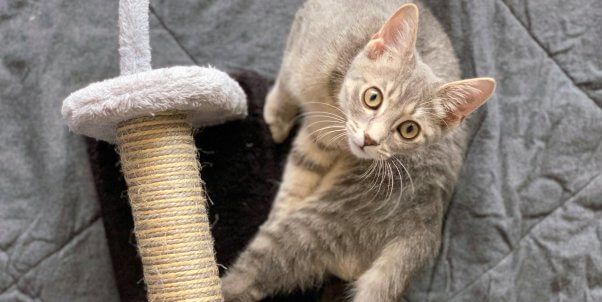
[373, 216]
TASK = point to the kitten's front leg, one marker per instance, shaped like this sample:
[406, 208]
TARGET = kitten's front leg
[277, 260]
[279, 112]
[399, 261]
[307, 165]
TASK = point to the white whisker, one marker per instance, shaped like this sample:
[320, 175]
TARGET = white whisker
[318, 122]
[334, 133]
[326, 104]
[335, 116]
[327, 127]
[336, 138]
[408, 173]
[400, 178]
[323, 118]
[375, 179]
[380, 179]
[389, 181]
[368, 171]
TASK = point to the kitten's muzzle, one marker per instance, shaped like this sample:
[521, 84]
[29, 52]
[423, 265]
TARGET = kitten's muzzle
[368, 141]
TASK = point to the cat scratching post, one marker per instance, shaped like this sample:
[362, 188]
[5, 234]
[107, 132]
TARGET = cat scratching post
[150, 115]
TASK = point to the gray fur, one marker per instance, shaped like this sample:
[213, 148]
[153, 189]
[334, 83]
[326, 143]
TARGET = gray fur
[370, 217]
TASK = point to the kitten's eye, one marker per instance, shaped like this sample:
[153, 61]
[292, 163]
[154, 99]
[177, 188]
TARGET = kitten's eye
[373, 98]
[409, 129]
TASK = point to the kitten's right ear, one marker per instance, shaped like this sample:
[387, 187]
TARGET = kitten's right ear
[397, 34]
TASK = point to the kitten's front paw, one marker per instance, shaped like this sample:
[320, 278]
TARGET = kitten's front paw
[279, 130]
[233, 294]
[279, 114]
[239, 288]
[231, 298]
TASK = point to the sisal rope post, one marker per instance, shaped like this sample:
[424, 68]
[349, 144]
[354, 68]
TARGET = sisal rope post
[159, 162]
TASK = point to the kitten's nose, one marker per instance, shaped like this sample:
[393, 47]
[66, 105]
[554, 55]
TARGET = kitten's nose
[368, 141]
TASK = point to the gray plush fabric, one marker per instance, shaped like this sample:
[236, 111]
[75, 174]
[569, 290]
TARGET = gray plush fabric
[526, 220]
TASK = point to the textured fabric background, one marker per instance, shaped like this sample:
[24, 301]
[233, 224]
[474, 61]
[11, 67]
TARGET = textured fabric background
[526, 220]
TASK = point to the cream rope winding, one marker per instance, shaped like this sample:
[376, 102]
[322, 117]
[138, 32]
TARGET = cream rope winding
[169, 208]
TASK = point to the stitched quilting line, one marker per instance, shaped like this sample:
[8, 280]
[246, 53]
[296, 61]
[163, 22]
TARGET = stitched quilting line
[517, 243]
[172, 35]
[229, 65]
[546, 51]
[76, 234]
[560, 205]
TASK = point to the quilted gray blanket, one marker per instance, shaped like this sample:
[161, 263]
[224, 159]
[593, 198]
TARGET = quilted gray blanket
[526, 220]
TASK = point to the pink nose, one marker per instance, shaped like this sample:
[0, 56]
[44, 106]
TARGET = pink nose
[368, 141]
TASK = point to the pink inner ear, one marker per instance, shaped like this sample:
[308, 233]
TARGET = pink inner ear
[464, 97]
[376, 49]
[399, 32]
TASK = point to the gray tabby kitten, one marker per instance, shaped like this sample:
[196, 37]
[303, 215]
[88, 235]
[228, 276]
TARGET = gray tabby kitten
[374, 165]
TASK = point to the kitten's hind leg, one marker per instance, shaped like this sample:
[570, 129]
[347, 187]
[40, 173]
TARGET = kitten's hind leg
[279, 112]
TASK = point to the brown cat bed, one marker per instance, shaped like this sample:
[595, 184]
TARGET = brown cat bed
[242, 168]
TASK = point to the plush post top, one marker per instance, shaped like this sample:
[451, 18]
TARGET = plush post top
[208, 96]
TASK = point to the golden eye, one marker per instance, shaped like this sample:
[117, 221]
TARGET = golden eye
[409, 129]
[373, 98]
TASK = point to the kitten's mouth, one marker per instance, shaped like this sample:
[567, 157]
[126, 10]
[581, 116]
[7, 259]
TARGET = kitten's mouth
[360, 152]
[357, 145]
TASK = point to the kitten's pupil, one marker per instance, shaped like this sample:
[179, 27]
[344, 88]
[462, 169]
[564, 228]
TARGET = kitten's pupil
[372, 98]
[409, 129]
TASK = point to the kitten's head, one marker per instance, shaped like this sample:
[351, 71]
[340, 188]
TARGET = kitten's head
[394, 102]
